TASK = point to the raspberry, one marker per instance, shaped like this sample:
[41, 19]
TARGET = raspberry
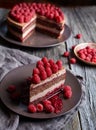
[36, 71]
[59, 63]
[11, 88]
[43, 74]
[67, 88]
[47, 65]
[21, 19]
[73, 47]
[45, 60]
[39, 107]
[54, 68]
[46, 102]
[66, 54]
[68, 94]
[78, 36]
[32, 108]
[41, 67]
[51, 61]
[72, 60]
[49, 108]
[39, 63]
[82, 56]
[58, 19]
[48, 71]
[36, 79]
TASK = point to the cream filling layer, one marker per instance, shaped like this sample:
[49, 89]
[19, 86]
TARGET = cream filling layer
[42, 94]
[22, 35]
[60, 72]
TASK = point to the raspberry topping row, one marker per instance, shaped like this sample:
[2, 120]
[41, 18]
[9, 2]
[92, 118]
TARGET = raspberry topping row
[23, 12]
[45, 68]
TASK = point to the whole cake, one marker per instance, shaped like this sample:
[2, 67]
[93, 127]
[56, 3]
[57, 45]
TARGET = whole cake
[24, 18]
[48, 77]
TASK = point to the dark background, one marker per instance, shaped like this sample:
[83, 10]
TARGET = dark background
[10, 3]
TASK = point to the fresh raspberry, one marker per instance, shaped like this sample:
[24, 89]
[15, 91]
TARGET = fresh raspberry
[66, 54]
[48, 71]
[59, 63]
[36, 79]
[73, 47]
[39, 63]
[21, 19]
[67, 88]
[49, 108]
[58, 19]
[51, 61]
[45, 60]
[46, 102]
[15, 96]
[87, 59]
[47, 65]
[41, 67]
[68, 94]
[36, 71]
[39, 107]
[82, 56]
[72, 60]
[43, 75]
[32, 108]
[78, 36]
[54, 68]
[11, 88]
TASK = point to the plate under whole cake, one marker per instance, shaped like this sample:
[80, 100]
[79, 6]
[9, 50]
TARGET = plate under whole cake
[36, 40]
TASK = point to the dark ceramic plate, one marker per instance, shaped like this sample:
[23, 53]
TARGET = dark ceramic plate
[19, 75]
[37, 40]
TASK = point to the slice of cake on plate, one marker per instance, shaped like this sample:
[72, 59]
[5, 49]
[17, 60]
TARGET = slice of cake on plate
[48, 77]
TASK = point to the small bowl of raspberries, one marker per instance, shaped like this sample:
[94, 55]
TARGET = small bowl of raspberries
[86, 52]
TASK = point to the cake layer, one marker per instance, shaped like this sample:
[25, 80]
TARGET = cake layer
[21, 35]
[50, 31]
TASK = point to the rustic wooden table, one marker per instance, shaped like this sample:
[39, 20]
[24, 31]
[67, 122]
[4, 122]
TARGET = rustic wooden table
[80, 20]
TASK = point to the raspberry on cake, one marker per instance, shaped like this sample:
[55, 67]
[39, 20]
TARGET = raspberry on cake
[47, 82]
[24, 18]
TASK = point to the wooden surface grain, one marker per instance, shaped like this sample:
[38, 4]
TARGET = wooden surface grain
[80, 20]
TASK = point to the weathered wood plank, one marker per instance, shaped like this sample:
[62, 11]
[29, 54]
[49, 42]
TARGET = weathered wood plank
[83, 20]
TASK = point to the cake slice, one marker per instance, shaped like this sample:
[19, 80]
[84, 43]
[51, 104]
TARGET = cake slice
[48, 77]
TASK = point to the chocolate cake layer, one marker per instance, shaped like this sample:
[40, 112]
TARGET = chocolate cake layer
[17, 36]
[34, 91]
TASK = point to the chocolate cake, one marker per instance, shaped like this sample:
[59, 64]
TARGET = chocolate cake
[24, 18]
[48, 77]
